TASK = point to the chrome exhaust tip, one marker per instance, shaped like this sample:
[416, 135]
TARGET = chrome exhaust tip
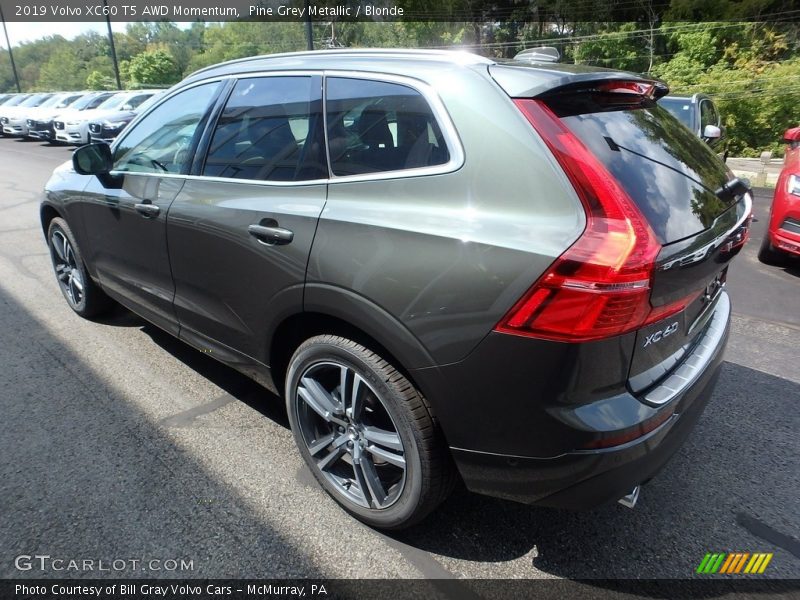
[630, 500]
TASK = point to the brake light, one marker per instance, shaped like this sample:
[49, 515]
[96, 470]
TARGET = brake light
[599, 287]
[637, 88]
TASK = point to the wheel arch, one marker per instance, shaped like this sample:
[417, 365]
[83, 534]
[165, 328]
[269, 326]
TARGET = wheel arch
[333, 310]
[48, 212]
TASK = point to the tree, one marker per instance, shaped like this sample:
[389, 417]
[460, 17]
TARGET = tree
[153, 67]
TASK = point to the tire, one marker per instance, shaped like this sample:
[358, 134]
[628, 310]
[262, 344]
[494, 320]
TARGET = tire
[82, 294]
[768, 254]
[384, 427]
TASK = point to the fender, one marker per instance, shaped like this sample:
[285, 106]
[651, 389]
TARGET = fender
[370, 318]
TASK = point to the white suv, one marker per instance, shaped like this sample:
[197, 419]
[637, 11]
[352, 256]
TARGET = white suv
[76, 126]
[67, 123]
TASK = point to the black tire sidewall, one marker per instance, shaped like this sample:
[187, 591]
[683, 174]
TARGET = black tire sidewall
[404, 509]
[84, 307]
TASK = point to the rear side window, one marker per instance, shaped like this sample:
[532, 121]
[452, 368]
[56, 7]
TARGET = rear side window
[376, 126]
[271, 130]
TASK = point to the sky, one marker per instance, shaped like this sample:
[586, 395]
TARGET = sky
[27, 32]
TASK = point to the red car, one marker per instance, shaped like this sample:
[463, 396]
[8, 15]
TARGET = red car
[783, 235]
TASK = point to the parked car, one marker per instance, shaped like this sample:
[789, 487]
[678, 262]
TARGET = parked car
[448, 266]
[38, 122]
[10, 115]
[782, 239]
[76, 128]
[67, 125]
[699, 113]
[106, 129]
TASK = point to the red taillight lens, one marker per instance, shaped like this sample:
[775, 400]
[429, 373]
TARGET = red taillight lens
[637, 88]
[599, 287]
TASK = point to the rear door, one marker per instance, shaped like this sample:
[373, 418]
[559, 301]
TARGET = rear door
[240, 230]
[677, 183]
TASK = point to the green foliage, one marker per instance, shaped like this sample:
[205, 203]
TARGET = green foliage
[99, 81]
[152, 67]
[751, 68]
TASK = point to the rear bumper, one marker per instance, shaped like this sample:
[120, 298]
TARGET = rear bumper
[573, 477]
[584, 479]
[785, 241]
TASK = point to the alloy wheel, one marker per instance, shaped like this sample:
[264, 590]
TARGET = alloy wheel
[350, 435]
[69, 275]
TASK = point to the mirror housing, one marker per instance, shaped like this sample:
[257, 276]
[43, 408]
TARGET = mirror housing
[792, 135]
[93, 159]
[712, 132]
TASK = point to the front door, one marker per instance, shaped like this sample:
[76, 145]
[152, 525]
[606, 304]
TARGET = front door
[126, 211]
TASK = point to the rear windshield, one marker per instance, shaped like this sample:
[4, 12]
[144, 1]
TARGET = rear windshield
[668, 171]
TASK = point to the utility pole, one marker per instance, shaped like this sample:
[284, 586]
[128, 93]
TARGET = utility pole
[10, 53]
[309, 30]
[111, 44]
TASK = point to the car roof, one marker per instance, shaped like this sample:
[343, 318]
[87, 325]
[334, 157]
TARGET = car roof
[408, 62]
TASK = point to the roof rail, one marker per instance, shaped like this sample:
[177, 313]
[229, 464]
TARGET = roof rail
[455, 55]
[541, 54]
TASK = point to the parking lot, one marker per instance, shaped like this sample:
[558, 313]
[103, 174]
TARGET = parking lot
[120, 442]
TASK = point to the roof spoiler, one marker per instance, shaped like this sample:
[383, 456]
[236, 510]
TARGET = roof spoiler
[541, 54]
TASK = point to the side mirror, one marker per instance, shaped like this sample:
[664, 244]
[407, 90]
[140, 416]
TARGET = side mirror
[93, 159]
[792, 135]
[127, 107]
[712, 132]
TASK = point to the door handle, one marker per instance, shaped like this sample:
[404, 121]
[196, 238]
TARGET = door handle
[148, 210]
[271, 235]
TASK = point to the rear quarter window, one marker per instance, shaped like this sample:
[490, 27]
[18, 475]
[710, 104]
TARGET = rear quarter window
[377, 126]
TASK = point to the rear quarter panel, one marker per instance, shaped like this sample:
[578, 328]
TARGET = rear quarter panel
[447, 255]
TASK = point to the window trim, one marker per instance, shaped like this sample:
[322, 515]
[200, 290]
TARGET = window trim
[448, 129]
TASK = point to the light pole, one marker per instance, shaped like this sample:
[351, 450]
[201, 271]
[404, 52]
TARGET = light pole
[113, 48]
[10, 53]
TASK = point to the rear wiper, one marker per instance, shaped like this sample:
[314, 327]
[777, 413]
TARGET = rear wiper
[616, 148]
[733, 189]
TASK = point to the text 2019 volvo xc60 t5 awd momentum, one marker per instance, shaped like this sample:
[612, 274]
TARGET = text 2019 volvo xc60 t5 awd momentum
[448, 266]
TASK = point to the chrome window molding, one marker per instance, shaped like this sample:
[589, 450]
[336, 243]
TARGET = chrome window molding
[446, 126]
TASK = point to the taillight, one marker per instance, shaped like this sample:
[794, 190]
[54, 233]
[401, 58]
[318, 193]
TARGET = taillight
[599, 287]
[636, 88]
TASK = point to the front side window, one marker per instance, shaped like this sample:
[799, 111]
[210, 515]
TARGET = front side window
[377, 126]
[708, 114]
[161, 142]
[270, 130]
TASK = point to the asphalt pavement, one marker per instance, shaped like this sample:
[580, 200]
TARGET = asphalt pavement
[121, 443]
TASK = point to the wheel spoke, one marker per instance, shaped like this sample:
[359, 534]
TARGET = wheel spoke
[319, 400]
[356, 398]
[74, 294]
[367, 476]
[390, 457]
[58, 245]
[384, 438]
[321, 443]
[331, 457]
[77, 281]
